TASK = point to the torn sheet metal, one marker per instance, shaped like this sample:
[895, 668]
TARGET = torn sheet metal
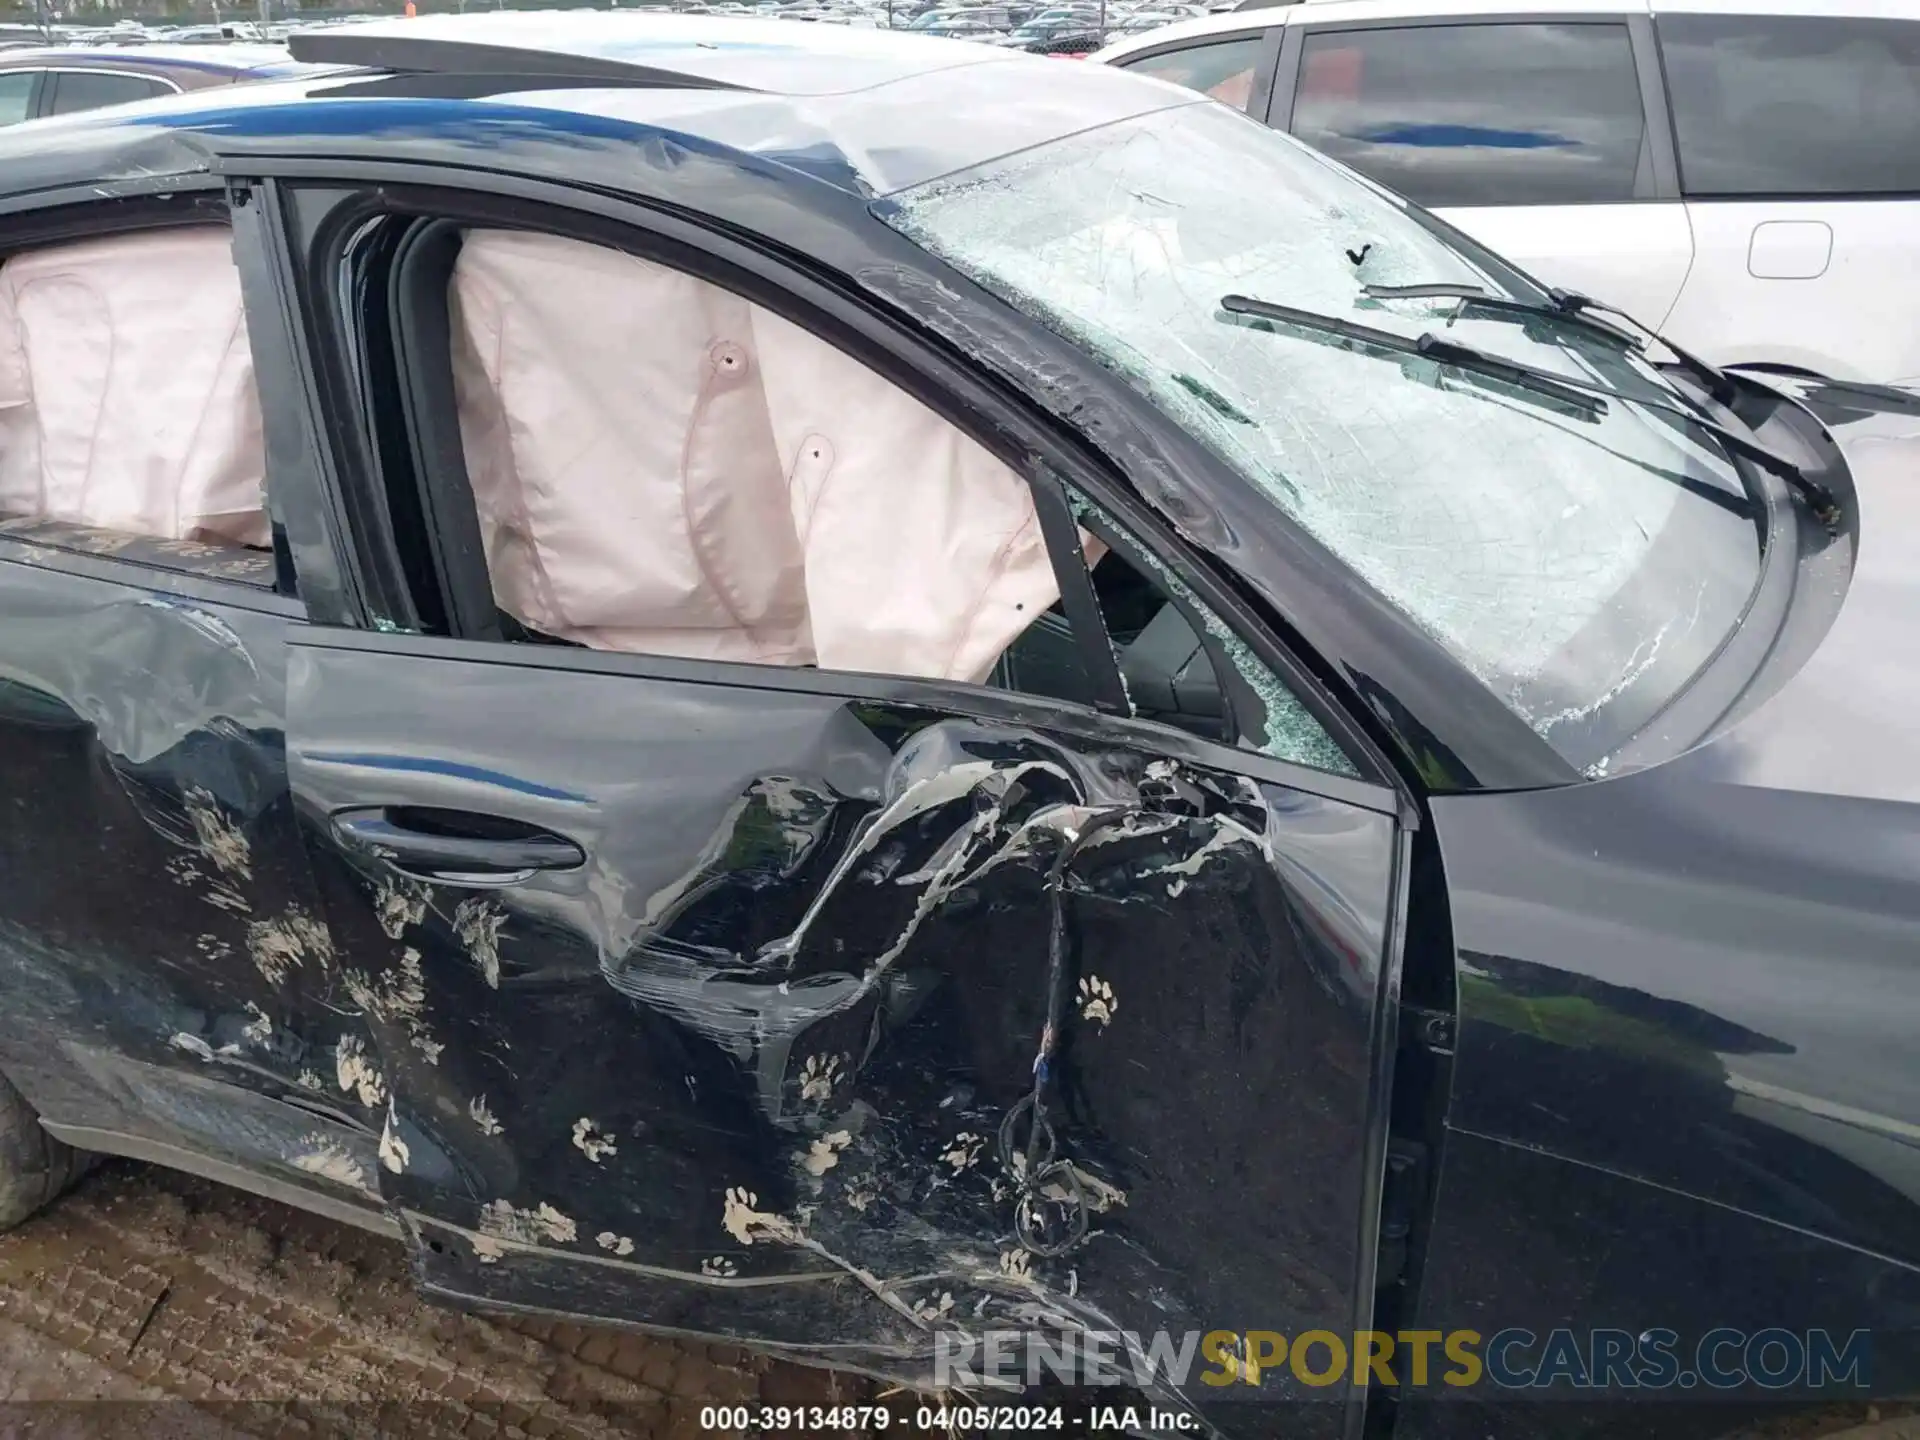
[772, 1052]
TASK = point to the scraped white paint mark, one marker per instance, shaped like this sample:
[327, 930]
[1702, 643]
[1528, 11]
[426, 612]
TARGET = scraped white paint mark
[212, 947]
[355, 1071]
[258, 1030]
[220, 840]
[192, 1044]
[393, 1150]
[280, 946]
[225, 897]
[964, 1151]
[719, 1265]
[818, 1077]
[823, 1154]
[1100, 1196]
[399, 997]
[1184, 871]
[539, 1226]
[748, 1224]
[481, 1116]
[591, 1141]
[310, 1080]
[399, 903]
[618, 1244]
[477, 923]
[327, 1158]
[1097, 1001]
[931, 1309]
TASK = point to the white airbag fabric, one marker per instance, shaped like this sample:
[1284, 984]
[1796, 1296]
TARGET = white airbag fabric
[127, 398]
[661, 466]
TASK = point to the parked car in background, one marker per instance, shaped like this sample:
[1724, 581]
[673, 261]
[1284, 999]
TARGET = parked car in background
[38, 81]
[1741, 174]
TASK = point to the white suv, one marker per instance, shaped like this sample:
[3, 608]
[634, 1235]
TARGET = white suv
[1741, 174]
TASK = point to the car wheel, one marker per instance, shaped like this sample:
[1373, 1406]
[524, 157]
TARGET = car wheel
[35, 1168]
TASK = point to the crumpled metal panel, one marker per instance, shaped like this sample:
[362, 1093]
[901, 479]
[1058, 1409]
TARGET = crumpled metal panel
[768, 1064]
[161, 945]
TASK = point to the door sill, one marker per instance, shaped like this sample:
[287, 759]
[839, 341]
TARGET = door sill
[220, 1172]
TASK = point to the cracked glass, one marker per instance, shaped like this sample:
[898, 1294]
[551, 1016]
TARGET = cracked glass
[1581, 561]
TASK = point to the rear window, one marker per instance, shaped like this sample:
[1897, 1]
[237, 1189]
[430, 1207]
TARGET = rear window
[1493, 114]
[1794, 105]
[86, 90]
[16, 95]
[1222, 69]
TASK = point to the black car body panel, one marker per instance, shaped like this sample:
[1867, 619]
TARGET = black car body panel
[743, 1069]
[808, 976]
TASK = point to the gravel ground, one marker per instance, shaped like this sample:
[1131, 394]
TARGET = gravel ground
[146, 1288]
[155, 1306]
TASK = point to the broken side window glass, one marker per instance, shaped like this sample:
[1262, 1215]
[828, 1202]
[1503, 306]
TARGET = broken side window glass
[1183, 665]
[1554, 556]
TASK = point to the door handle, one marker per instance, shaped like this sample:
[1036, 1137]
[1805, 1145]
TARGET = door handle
[455, 847]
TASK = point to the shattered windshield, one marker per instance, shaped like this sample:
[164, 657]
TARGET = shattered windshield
[1583, 560]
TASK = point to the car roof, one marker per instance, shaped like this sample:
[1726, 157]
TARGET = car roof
[774, 56]
[214, 59]
[1319, 12]
[867, 111]
[186, 66]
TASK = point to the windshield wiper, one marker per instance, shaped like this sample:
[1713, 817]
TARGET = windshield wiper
[1572, 306]
[1818, 497]
[1588, 400]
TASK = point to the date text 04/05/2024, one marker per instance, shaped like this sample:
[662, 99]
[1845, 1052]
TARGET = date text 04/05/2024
[735, 1419]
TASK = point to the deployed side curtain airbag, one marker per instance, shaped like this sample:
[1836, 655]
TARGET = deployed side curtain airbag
[924, 554]
[629, 493]
[127, 397]
[661, 466]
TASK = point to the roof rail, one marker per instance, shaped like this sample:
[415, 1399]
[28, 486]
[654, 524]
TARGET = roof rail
[380, 49]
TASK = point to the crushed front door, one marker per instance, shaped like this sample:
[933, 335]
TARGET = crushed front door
[808, 1009]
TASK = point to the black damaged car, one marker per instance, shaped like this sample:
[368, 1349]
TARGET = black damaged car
[867, 695]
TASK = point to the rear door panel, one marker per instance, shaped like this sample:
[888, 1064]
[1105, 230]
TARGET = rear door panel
[746, 1069]
[166, 983]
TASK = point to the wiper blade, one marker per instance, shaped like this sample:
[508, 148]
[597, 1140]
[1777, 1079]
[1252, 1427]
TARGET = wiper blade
[1572, 306]
[1428, 347]
[1478, 299]
[1818, 497]
[1723, 390]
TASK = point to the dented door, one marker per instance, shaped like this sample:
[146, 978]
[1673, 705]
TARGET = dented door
[828, 1011]
[166, 981]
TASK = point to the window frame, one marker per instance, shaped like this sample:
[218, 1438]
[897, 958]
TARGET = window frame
[148, 562]
[1267, 58]
[919, 365]
[1796, 196]
[49, 89]
[1663, 183]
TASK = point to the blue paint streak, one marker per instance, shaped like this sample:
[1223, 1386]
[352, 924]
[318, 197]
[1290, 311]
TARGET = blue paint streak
[1451, 137]
[421, 765]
